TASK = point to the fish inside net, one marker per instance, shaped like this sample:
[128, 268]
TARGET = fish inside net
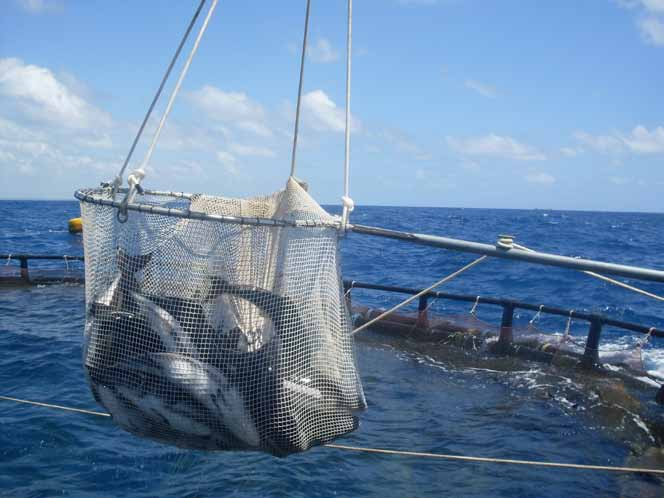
[213, 335]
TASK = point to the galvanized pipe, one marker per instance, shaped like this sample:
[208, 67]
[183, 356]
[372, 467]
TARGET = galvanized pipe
[514, 254]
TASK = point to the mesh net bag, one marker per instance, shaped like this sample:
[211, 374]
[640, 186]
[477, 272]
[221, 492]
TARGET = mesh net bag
[219, 324]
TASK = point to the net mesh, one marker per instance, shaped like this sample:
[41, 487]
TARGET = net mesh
[219, 336]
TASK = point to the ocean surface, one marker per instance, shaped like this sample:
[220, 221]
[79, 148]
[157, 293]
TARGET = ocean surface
[419, 399]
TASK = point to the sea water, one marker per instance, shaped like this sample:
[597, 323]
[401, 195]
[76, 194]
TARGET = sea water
[418, 400]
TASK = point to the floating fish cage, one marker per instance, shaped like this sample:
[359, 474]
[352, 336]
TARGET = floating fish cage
[527, 342]
[46, 269]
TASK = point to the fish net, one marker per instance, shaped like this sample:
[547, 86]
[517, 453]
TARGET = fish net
[219, 324]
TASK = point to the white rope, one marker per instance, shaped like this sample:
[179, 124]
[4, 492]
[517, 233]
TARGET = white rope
[421, 293]
[135, 177]
[568, 327]
[55, 407]
[118, 179]
[537, 315]
[418, 454]
[473, 310]
[497, 460]
[348, 204]
[607, 279]
[645, 340]
[299, 88]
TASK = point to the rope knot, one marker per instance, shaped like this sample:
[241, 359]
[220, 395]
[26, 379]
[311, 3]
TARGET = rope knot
[505, 242]
[348, 203]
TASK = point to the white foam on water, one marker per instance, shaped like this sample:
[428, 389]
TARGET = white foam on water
[653, 361]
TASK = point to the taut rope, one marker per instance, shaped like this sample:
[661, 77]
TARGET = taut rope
[382, 451]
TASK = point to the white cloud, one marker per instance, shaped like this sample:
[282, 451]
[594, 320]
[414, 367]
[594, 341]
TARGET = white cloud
[322, 52]
[648, 5]
[541, 178]
[225, 157]
[37, 92]
[255, 127]
[27, 151]
[605, 144]
[417, 2]
[98, 141]
[481, 88]
[620, 180]
[38, 6]
[640, 141]
[403, 143]
[493, 145]
[235, 108]
[570, 151]
[652, 30]
[323, 114]
[250, 150]
[650, 26]
[643, 141]
[229, 162]
[185, 169]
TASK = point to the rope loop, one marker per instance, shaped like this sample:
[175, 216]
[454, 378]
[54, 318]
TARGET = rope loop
[348, 207]
[537, 315]
[350, 288]
[66, 262]
[122, 214]
[505, 242]
[568, 328]
[646, 339]
[473, 310]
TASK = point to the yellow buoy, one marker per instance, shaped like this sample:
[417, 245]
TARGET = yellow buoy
[75, 225]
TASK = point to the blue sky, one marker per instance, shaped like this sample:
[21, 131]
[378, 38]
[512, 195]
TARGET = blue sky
[468, 103]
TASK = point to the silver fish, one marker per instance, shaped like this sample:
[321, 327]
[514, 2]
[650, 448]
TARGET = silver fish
[154, 407]
[209, 386]
[120, 414]
[174, 338]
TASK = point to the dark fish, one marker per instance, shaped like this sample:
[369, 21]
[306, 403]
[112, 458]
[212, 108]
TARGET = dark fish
[118, 295]
[260, 375]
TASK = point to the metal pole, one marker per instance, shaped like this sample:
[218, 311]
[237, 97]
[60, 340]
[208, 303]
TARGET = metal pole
[514, 254]
[422, 315]
[506, 334]
[591, 354]
[24, 269]
[578, 315]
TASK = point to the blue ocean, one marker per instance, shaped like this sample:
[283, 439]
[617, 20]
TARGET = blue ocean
[420, 399]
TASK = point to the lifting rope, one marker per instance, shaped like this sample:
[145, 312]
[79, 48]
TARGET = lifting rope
[348, 204]
[418, 454]
[134, 179]
[118, 179]
[299, 88]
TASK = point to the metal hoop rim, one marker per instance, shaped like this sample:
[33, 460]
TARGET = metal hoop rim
[92, 196]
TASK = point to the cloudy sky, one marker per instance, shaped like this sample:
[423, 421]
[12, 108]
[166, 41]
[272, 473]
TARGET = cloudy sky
[470, 103]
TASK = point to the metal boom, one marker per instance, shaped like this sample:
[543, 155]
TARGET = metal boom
[514, 253]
